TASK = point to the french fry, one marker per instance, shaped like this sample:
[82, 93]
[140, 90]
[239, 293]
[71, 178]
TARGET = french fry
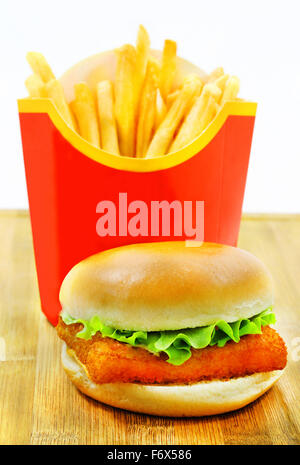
[231, 89]
[208, 114]
[193, 123]
[221, 83]
[35, 86]
[108, 128]
[54, 90]
[171, 97]
[165, 132]
[147, 110]
[214, 91]
[161, 110]
[168, 68]
[40, 66]
[215, 74]
[84, 109]
[142, 113]
[125, 100]
[142, 55]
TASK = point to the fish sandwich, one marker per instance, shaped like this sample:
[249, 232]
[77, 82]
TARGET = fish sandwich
[165, 329]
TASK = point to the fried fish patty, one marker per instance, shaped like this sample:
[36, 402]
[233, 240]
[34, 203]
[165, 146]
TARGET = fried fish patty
[110, 361]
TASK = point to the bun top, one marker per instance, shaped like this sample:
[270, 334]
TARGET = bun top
[167, 285]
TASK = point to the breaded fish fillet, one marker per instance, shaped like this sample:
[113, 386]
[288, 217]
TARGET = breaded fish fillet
[110, 361]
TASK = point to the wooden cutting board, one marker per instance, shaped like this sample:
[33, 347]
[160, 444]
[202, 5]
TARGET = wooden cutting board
[38, 404]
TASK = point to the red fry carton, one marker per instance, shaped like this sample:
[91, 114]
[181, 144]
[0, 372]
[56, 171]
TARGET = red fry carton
[84, 200]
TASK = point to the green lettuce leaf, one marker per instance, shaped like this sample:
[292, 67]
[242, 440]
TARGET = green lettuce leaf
[176, 344]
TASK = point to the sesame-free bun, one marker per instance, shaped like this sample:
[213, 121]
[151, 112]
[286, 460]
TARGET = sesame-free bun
[167, 286]
[204, 398]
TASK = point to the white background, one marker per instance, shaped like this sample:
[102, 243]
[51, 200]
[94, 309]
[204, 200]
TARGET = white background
[259, 40]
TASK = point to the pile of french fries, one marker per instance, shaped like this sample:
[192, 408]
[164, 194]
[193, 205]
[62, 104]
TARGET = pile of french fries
[141, 113]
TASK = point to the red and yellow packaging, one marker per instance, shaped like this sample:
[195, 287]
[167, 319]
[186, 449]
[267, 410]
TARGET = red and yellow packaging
[72, 185]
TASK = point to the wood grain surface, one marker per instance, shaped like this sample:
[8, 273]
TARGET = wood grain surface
[38, 404]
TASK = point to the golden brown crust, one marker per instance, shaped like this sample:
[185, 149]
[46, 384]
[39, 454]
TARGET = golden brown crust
[110, 361]
[161, 286]
[204, 398]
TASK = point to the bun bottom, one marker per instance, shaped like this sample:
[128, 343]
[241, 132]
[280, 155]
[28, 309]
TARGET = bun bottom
[204, 398]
